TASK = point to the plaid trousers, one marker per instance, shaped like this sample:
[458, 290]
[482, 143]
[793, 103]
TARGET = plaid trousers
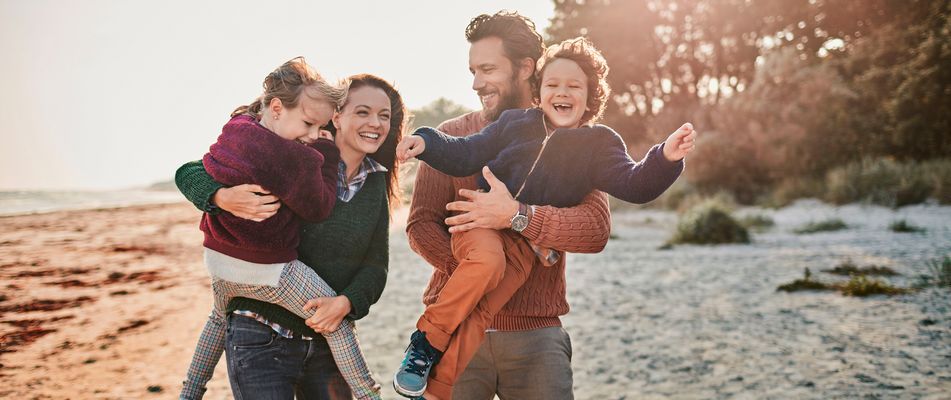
[298, 284]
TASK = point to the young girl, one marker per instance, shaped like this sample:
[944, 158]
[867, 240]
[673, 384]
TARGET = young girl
[550, 155]
[275, 142]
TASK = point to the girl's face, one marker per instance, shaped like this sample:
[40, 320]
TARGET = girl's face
[299, 122]
[563, 93]
[364, 122]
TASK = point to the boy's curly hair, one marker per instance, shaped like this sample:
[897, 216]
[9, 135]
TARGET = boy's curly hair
[581, 51]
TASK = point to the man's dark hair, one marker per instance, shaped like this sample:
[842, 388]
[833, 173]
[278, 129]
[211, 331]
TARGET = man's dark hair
[520, 40]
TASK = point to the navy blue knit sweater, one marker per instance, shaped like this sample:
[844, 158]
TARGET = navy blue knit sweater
[574, 161]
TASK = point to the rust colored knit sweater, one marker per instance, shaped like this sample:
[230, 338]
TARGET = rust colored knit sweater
[541, 300]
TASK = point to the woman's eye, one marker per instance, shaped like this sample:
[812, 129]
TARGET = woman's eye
[384, 116]
[361, 112]
[308, 124]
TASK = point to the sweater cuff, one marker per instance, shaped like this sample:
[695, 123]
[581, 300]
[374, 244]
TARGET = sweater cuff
[534, 229]
[206, 203]
[663, 159]
[359, 305]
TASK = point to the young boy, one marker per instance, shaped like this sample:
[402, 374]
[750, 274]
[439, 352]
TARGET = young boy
[551, 155]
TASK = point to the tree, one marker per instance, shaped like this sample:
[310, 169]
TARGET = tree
[436, 112]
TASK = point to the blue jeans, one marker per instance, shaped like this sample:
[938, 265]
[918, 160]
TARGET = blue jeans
[264, 365]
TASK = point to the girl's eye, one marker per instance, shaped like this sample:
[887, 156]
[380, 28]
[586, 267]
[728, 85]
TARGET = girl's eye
[308, 124]
[361, 112]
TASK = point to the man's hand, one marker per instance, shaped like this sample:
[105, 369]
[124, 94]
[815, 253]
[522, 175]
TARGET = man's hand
[247, 201]
[680, 143]
[493, 210]
[329, 314]
[411, 146]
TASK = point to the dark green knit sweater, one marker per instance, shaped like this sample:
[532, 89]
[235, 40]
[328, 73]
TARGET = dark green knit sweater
[349, 250]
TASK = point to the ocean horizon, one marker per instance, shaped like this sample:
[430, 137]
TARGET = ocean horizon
[18, 202]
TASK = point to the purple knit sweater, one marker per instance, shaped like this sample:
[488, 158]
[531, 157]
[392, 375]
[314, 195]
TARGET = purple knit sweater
[303, 177]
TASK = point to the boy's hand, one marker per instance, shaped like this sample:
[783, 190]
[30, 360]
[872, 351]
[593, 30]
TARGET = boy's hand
[313, 136]
[680, 143]
[411, 146]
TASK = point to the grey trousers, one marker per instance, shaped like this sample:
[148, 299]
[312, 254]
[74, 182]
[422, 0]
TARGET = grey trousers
[522, 365]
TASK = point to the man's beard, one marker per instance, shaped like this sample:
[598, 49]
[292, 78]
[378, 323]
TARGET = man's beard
[509, 101]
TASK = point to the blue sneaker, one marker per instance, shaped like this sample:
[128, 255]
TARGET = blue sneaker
[410, 379]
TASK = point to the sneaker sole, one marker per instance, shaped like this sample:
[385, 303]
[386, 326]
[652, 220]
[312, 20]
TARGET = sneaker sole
[407, 393]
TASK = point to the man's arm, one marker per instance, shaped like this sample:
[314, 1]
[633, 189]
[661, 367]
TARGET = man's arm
[584, 228]
[426, 227]
[243, 201]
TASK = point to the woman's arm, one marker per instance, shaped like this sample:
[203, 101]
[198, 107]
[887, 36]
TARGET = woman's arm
[367, 285]
[197, 186]
[246, 201]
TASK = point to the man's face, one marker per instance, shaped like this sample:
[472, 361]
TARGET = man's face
[493, 77]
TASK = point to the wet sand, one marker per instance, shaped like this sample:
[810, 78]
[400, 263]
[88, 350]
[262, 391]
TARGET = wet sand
[109, 303]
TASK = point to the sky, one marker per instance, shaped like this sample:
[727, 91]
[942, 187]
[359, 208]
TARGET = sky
[112, 94]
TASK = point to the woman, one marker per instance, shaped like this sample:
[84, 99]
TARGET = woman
[349, 250]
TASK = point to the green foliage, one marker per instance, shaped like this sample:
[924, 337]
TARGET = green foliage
[848, 268]
[881, 181]
[940, 272]
[757, 221]
[806, 283]
[436, 113]
[903, 226]
[828, 225]
[862, 286]
[709, 223]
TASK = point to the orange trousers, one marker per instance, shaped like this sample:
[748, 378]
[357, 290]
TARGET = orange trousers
[493, 265]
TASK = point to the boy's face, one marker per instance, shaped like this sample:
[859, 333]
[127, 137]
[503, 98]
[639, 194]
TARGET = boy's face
[493, 78]
[563, 93]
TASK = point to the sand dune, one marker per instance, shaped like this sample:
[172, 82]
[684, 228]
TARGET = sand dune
[109, 303]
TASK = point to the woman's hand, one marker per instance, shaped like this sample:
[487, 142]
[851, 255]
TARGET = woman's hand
[329, 314]
[411, 146]
[247, 201]
[680, 143]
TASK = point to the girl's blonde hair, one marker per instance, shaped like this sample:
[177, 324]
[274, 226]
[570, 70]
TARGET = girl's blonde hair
[288, 82]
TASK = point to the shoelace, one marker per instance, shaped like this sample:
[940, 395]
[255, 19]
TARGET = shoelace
[418, 361]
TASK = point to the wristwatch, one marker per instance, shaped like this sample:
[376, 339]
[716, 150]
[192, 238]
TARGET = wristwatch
[520, 219]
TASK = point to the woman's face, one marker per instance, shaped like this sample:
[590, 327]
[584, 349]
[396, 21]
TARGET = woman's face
[364, 122]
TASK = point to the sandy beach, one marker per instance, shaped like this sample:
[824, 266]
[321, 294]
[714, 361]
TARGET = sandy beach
[107, 304]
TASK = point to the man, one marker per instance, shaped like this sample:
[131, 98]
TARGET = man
[526, 353]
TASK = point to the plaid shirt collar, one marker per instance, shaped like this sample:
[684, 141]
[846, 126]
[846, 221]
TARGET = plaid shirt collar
[345, 190]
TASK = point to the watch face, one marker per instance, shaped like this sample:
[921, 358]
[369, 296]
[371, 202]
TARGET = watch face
[519, 223]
